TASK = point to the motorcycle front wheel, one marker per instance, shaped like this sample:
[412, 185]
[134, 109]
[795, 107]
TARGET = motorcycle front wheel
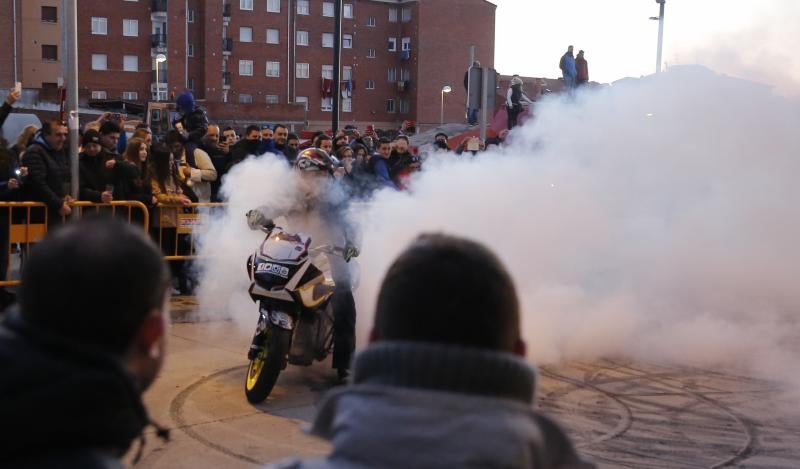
[267, 365]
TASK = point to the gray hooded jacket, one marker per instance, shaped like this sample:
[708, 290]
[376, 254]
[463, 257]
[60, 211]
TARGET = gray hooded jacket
[417, 405]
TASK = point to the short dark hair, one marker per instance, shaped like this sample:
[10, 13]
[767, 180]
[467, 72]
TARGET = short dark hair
[384, 141]
[277, 126]
[402, 137]
[93, 282]
[449, 290]
[50, 125]
[320, 138]
[173, 136]
[252, 128]
[228, 128]
[110, 127]
[142, 125]
[292, 136]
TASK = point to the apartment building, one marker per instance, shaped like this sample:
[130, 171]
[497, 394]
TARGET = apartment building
[268, 60]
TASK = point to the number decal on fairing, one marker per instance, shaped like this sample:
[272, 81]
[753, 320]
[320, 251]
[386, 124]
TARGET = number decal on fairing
[273, 269]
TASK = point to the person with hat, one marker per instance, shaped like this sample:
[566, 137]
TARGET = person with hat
[440, 141]
[515, 98]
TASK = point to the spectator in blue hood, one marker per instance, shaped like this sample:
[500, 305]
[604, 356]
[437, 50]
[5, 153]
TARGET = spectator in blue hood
[568, 68]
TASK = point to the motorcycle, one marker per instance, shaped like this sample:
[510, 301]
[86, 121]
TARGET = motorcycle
[295, 315]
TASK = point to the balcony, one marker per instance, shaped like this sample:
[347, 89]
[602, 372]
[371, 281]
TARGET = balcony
[226, 11]
[227, 46]
[159, 6]
[158, 41]
[226, 80]
[162, 76]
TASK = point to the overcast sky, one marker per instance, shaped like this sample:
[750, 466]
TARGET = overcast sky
[747, 38]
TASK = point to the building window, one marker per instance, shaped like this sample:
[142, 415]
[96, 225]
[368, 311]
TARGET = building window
[273, 99]
[301, 70]
[130, 63]
[99, 62]
[370, 53]
[393, 15]
[274, 6]
[404, 106]
[327, 72]
[392, 75]
[347, 41]
[246, 5]
[405, 43]
[50, 14]
[246, 34]
[370, 84]
[347, 10]
[190, 83]
[390, 105]
[392, 44]
[302, 38]
[99, 25]
[190, 16]
[405, 74]
[371, 21]
[273, 36]
[327, 9]
[273, 69]
[245, 98]
[99, 95]
[327, 39]
[302, 7]
[190, 49]
[326, 104]
[302, 100]
[406, 17]
[246, 68]
[130, 95]
[347, 73]
[130, 28]
[347, 105]
[49, 53]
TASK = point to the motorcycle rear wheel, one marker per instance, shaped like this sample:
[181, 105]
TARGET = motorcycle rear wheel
[262, 374]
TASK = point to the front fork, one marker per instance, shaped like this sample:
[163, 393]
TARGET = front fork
[260, 337]
[278, 318]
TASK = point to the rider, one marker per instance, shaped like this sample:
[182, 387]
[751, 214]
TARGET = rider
[320, 210]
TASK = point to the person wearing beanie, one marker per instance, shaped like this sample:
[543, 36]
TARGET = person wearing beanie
[515, 99]
[440, 141]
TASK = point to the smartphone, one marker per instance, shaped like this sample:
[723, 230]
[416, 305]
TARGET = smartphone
[18, 86]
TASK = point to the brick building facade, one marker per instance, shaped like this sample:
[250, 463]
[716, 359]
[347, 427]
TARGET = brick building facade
[266, 58]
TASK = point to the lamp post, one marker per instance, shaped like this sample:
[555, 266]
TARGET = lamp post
[660, 19]
[445, 89]
[159, 59]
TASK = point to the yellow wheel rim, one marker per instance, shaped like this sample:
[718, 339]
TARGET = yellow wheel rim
[254, 371]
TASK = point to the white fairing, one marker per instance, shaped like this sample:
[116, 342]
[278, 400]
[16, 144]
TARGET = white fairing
[285, 247]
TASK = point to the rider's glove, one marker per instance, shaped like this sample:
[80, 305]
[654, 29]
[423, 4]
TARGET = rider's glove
[350, 251]
[256, 219]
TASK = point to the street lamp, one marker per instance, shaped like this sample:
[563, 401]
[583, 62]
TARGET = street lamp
[159, 59]
[660, 19]
[445, 89]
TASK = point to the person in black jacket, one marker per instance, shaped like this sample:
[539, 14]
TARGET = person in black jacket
[87, 341]
[48, 170]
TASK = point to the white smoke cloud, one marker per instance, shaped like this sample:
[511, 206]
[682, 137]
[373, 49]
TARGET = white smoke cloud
[654, 219]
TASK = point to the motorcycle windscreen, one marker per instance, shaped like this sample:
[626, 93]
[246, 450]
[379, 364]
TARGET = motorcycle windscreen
[285, 247]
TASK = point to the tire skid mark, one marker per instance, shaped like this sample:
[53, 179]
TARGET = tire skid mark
[176, 413]
[748, 428]
[626, 416]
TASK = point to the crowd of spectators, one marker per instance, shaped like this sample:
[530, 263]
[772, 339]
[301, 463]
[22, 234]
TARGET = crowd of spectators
[188, 164]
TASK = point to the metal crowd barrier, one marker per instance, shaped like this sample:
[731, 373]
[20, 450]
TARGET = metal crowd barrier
[25, 224]
[133, 211]
[175, 228]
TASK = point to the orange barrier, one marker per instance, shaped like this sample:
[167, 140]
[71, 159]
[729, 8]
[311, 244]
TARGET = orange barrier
[127, 208]
[26, 223]
[177, 226]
